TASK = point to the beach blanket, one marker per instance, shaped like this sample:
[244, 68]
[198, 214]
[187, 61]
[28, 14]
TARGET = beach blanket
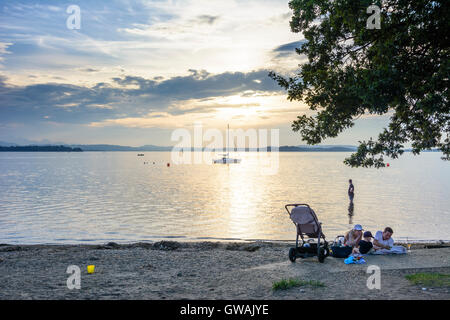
[393, 250]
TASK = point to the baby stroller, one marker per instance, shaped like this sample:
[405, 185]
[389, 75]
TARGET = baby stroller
[307, 224]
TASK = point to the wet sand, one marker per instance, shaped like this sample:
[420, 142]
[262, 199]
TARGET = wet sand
[207, 270]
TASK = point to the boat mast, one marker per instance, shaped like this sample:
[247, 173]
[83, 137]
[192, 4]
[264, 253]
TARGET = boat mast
[228, 140]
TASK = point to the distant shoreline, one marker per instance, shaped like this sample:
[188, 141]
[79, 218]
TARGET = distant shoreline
[112, 148]
[39, 149]
[108, 148]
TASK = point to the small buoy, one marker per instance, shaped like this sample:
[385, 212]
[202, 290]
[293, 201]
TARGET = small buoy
[90, 269]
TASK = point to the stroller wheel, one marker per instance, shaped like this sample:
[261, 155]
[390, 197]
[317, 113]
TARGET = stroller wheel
[322, 255]
[292, 253]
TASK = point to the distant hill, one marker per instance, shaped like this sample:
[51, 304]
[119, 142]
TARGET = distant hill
[39, 149]
[150, 148]
[329, 148]
[109, 147]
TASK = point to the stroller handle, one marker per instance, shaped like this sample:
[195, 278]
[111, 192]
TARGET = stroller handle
[301, 204]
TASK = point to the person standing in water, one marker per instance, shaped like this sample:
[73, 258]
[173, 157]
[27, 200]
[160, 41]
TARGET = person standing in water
[351, 190]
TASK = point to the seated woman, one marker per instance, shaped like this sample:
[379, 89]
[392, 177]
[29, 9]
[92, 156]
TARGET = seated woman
[353, 237]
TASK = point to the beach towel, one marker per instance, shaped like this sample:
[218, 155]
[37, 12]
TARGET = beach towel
[393, 250]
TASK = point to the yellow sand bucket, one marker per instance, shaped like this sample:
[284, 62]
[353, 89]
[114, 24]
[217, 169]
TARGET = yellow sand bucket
[90, 269]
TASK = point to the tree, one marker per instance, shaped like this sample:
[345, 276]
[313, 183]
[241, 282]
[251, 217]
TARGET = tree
[401, 69]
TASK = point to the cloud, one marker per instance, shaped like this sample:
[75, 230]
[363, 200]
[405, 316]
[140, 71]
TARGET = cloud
[208, 19]
[243, 112]
[89, 70]
[4, 46]
[144, 38]
[130, 96]
[288, 48]
[142, 63]
[3, 80]
[3, 49]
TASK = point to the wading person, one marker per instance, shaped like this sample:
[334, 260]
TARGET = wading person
[351, 190]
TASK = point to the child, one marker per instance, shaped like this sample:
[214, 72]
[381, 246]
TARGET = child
[365, 246]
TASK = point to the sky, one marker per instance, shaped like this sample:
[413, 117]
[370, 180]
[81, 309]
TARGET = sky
[136, 71]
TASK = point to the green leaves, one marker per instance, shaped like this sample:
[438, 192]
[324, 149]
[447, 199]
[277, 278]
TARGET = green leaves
[402, 68]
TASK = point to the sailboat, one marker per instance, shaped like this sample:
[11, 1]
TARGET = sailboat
[225, 159]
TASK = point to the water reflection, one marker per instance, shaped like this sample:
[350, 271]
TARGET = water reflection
[351, 211]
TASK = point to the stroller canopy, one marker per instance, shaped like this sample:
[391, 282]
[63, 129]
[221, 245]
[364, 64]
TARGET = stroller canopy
[306, 221]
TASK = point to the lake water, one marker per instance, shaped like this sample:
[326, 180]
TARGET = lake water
[95, 197]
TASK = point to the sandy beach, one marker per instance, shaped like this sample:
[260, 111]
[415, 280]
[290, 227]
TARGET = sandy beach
[208, 270]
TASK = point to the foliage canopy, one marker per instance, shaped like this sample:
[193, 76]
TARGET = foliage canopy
[401, 70]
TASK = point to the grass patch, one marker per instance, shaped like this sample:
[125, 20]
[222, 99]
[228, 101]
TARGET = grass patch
[429, 279]
[285, 284]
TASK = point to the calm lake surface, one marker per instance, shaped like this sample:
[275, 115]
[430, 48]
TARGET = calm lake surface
[95, 197]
